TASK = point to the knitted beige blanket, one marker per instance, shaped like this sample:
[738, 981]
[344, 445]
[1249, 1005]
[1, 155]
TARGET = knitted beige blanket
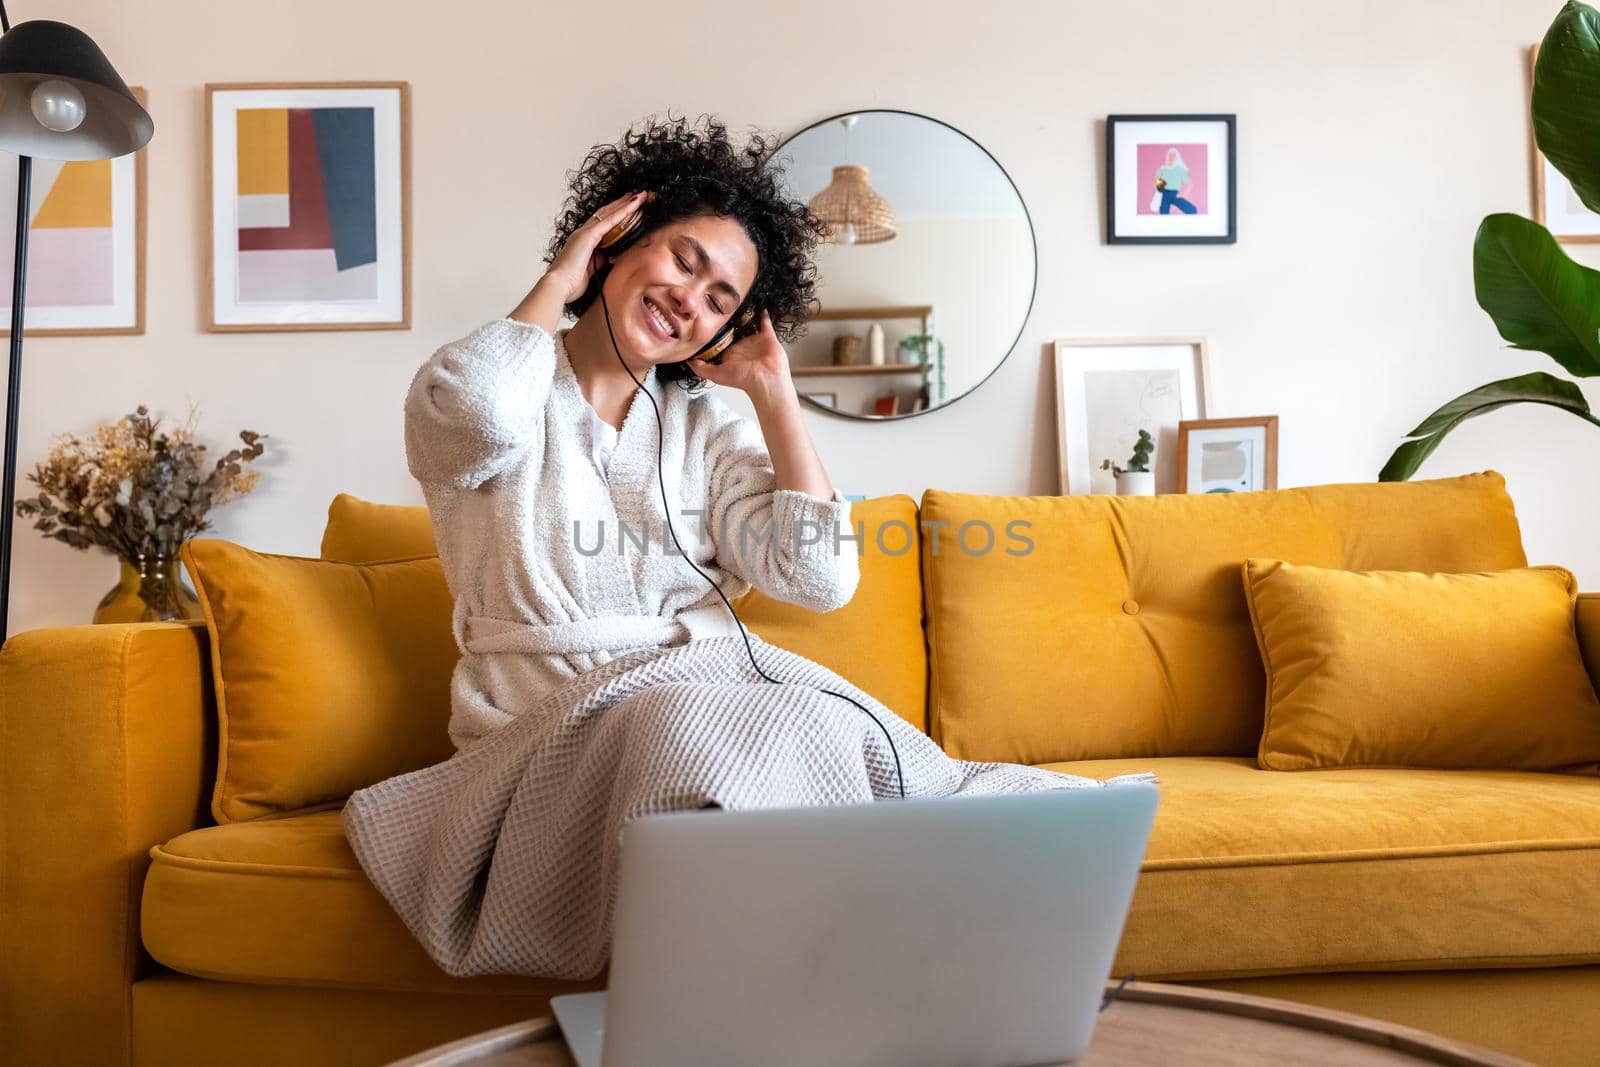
[504, 858]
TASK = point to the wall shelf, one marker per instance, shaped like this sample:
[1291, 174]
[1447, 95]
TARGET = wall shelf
[902, 311]
[856, 368]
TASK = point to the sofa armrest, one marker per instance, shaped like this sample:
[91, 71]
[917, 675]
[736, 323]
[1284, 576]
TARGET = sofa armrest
[1589, 633]
[107, 747]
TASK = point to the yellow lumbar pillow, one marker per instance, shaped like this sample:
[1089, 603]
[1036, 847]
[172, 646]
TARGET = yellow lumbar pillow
[329, 676]
[1408, 669]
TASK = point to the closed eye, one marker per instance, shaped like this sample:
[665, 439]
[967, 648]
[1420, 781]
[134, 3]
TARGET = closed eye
[684, 266]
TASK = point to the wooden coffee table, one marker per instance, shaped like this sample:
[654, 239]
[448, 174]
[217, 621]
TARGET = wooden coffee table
[1149, 1023]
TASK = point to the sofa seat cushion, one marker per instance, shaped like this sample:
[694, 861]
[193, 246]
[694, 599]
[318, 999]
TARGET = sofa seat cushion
[1256, 872]
[283, 900]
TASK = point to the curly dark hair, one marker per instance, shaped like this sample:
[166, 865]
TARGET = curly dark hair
[697, 170]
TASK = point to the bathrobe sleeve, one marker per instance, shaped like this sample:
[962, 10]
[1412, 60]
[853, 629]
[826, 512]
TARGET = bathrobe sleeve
[788, 544]
[477, 403]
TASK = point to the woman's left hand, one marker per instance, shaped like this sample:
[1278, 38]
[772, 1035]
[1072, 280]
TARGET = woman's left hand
[756, 364]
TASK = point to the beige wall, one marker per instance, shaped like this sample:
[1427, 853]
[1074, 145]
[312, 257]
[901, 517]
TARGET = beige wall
[1373, 137]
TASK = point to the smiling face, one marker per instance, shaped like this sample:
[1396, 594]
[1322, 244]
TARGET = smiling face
[670, 292]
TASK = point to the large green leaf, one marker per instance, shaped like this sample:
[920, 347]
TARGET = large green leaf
[1539, 298]
[1536, 388]
[1566, 98]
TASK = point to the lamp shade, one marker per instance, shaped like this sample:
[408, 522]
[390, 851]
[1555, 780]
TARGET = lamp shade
[852, 208]
[39, 51]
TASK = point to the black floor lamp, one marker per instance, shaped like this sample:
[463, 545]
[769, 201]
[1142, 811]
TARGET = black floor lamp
[60, 98]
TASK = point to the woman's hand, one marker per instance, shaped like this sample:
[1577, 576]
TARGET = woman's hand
[575, 265]
[756, 364]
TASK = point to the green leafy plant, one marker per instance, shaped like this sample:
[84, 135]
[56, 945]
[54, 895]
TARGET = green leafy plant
[1139, 463]
[929, 351]
[1539, 298]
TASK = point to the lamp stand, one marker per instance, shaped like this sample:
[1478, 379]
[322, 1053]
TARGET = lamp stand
[19, 283]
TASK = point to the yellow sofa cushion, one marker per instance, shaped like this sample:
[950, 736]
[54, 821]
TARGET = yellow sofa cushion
[361, 531]
[283, 900]
[1123, 631]
[328, 676]
[875, 641]
[1248, 872]
[1251, 871]
[1407, 669]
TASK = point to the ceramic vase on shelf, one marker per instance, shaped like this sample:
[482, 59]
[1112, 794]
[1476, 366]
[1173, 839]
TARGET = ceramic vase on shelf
[875, 345]
[1136, 483]
[151, 589]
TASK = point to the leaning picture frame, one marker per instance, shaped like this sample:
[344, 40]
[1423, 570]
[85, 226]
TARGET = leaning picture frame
[308, 206]
[1107, 389]
[1171, 179]
[1556, 206]
[1228, 455]
[86, 244]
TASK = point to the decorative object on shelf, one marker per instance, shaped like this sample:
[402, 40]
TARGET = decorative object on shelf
[916, 349]
[309, 189]
[1109, 389]
[1171, 179]
[1556, 204]
[1539, 298]
[875, 345]
[852, 208]
[139, 492]
[888, 404]
[846, 350]
[60, 99]
[1228, 455]
[823, 400]
[1136, 479]
[86, 243]
[950, 197]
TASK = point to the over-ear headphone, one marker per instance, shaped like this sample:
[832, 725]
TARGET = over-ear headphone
[619, 237]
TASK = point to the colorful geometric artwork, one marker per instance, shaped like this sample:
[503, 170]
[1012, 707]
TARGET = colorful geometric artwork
[1175, 177]
[1171, 179]
[308, 206]
[307, 201]
[83, 237]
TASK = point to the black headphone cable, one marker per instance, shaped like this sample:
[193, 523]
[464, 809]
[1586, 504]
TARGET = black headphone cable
[667, 510]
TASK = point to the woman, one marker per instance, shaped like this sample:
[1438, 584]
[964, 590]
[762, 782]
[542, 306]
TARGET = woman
[1172, 180]
[601, 676]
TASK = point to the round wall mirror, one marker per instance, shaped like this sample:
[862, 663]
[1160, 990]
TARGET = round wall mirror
[929, 272]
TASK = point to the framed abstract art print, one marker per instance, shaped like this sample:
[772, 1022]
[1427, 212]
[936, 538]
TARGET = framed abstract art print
[86, 241]
[310, 206]
[1170, 179]
[1228, 455]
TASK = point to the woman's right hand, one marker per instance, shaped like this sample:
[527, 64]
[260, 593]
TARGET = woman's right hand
[576, 263]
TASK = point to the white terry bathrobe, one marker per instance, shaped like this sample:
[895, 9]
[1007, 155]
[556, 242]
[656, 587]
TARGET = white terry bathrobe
[601, 678]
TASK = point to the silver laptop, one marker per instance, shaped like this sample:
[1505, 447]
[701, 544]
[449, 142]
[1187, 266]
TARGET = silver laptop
[972, 930]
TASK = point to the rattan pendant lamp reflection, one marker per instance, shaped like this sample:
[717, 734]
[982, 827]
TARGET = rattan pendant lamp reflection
[852, 208]
[60, 98]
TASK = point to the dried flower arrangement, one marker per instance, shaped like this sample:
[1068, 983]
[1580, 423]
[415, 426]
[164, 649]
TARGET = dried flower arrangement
[136, 490]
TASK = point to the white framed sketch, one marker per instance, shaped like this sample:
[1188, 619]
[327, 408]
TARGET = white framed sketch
[1556, 206]
[1108, 389]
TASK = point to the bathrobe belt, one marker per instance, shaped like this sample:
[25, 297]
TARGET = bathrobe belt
[599, 633]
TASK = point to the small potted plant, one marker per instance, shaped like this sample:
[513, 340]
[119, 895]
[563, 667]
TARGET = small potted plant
[1136, 479]
[138, 492]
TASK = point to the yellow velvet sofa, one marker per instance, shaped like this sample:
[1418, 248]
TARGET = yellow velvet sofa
[1094, 635]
